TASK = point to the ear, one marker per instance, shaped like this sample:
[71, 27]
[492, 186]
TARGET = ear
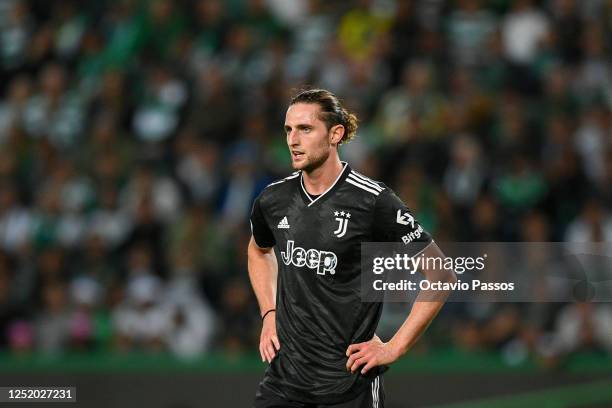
[336, 134]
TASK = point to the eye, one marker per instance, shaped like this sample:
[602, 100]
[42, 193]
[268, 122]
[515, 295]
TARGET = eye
[307, 129]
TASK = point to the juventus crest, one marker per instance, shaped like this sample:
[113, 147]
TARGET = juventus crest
[343, 218]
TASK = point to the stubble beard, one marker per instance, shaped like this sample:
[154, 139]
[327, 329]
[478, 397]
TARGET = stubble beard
[314, 162]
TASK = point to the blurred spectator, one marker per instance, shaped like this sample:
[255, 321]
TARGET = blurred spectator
[562, 166]
[261, 24]
[413, 109]
[568, 28]
[198, 166]
[162, 25]
[71, 26]
[583, 326]
[484, 221]
[20, 337]
[404, 32]
[520, 187]
[594, 81]
[523, 30]
[86, 295]
[111, 103]
[157, 113]
[56, 112]
[239, 328]
[361, 29]
[142, 321]
[334, 74]
[465, 175]
[108, 222]
[592, 142]
[310, 35]
[53, 323]
[241, 187]
[469, 29]
[211, 25]
[193, 325]
[214, 112]
[594, 224]
[16, 27]
[51, 226]
[289, 11]
[15, 220]
[199, 241]
[414, 188]
[147, 191]
[13, 108]
[97, 265]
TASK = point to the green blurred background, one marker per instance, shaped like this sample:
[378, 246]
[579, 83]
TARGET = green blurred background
[135, 134]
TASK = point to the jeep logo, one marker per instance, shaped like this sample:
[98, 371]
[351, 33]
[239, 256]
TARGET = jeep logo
[322, 261]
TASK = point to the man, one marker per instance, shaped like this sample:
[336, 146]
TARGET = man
[317, 334]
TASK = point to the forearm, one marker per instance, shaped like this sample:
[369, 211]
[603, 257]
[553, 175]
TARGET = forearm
[426, 306]
[263, 271]
[421, 315]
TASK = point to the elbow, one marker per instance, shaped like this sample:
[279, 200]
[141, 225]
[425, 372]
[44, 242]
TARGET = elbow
[254, 250]
[445, 276]
[441, 275]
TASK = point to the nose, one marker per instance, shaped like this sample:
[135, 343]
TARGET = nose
[292, 138]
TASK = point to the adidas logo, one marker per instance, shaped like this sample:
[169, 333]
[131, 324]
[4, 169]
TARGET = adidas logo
[283, 224]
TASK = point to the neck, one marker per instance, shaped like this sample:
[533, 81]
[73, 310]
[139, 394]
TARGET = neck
[321, 179]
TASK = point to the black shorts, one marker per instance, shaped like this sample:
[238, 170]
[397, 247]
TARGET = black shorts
[373, 397]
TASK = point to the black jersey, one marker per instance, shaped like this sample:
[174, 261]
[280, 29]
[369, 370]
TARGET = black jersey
[319, 311]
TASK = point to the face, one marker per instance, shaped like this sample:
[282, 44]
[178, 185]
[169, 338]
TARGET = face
[309, 140]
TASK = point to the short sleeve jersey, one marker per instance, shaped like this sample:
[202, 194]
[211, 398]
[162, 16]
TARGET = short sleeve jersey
[319, 311]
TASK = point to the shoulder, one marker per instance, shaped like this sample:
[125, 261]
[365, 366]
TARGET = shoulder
[279, 187]
[378, 194]
[292, 176]
[364, 184]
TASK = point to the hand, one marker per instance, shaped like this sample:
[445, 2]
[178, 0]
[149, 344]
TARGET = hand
[268, 341]
[371, 353]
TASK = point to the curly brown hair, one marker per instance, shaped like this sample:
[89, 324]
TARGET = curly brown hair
[332, 111]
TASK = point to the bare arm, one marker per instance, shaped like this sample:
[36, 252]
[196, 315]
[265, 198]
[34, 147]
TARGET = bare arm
[263, 272]
[425, 308]
[427, 305]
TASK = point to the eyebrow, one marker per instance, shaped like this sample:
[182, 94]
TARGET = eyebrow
[299, 126]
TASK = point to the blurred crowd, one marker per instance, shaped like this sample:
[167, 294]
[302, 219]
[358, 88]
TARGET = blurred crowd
[135, 134]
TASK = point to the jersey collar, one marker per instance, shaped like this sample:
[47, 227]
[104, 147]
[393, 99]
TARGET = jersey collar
[309, 201]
